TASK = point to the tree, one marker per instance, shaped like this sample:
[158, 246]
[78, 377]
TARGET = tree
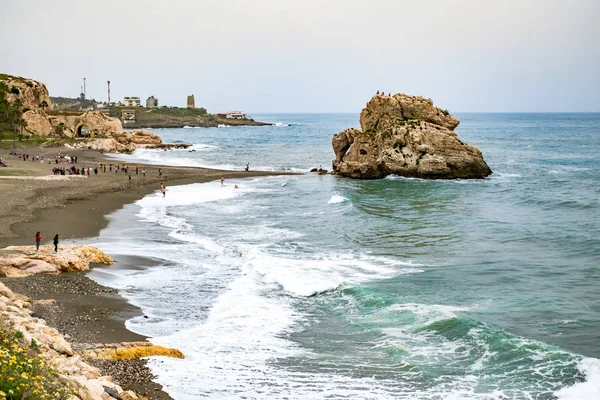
[22, 124]
[60, 129]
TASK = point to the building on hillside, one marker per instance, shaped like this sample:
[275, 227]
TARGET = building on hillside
[128, 117]
[235, 115]
[191, 103]
[152, 102]
[131, 101]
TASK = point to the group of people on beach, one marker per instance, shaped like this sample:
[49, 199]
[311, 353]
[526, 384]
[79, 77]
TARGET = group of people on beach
[38, 240]
[25, 157]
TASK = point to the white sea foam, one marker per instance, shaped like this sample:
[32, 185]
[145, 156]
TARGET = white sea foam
[588, 389]
[198, 146]
[223, 126]
[336, 198]
[280, 124]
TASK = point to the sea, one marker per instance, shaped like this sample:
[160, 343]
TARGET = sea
[321, 287]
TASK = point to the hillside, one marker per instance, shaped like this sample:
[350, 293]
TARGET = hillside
[177, 118]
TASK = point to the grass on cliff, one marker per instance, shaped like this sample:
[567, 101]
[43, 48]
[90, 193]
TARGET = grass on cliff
[24, 373]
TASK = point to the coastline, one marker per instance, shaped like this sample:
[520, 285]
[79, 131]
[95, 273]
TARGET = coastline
[76, 208]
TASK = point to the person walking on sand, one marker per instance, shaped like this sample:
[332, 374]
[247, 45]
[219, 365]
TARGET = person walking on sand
[55, 243]
[163, 189]
[160, 172]
[247, 166]
[38, 239]
[222, 180]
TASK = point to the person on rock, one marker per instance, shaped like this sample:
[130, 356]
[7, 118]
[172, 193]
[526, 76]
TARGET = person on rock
[55, 241]
[38, 239]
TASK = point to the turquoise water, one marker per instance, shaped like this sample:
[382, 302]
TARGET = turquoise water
[322, 287]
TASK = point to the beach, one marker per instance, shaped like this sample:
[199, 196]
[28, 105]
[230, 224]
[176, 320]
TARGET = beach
[75, 207]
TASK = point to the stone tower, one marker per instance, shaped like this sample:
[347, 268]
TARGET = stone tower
[190, 101]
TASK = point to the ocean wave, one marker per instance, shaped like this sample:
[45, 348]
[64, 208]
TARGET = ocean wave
[336, 199]
[589, 389]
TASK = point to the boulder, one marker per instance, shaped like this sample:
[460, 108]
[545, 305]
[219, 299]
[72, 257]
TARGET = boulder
[407, 136]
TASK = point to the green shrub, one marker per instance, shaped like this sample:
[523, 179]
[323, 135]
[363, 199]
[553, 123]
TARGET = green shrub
[24, 373]
[445, 112]
[15, 90]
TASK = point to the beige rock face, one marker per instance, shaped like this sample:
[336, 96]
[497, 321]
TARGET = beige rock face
[125, 142]
[407, 136]
[37, 123]
[31, 93]
[94, 120]
[16, 261]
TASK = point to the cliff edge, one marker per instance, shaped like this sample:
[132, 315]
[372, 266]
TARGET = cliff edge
[406, 136]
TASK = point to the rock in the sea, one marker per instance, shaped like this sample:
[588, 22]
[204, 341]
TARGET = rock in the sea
[407, 136]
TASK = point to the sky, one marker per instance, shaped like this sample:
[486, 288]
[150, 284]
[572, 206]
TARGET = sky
[311, 55]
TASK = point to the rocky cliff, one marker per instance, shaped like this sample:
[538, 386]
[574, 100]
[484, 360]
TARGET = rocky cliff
[407, 136]
[33, 94]
[94, 120]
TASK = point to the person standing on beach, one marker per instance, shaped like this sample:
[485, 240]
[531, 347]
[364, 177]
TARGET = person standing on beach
[160, 172]
[222, 180]
[38, 239]
[163, 189]
[55, 243]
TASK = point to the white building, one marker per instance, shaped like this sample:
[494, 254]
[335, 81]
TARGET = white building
[131, 101]
[151, 102]
[235, 115]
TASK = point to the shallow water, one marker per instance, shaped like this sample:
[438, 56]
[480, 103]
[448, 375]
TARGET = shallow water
[322, 287]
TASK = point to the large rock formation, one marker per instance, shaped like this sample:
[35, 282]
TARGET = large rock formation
[407, 136]
[94, 120]
[33, 94]
[38, 123]
[126, 142]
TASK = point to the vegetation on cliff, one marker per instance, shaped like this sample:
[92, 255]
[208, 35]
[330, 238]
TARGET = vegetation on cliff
[23, 371]
[11, 112]
[174, 117]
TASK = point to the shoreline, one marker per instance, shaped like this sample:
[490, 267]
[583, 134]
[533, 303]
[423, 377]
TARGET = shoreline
[78, 209]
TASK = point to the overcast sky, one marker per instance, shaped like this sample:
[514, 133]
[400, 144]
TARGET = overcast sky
[311, 55]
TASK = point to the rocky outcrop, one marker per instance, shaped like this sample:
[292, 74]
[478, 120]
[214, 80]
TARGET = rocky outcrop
[126, 142]
[85, 380]
[38, 123]
[70, 124]
[19, 261]
[128, 351]
[33, 94]
[407, 136]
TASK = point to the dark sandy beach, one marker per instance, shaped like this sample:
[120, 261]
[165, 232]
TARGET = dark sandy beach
[82, 310]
